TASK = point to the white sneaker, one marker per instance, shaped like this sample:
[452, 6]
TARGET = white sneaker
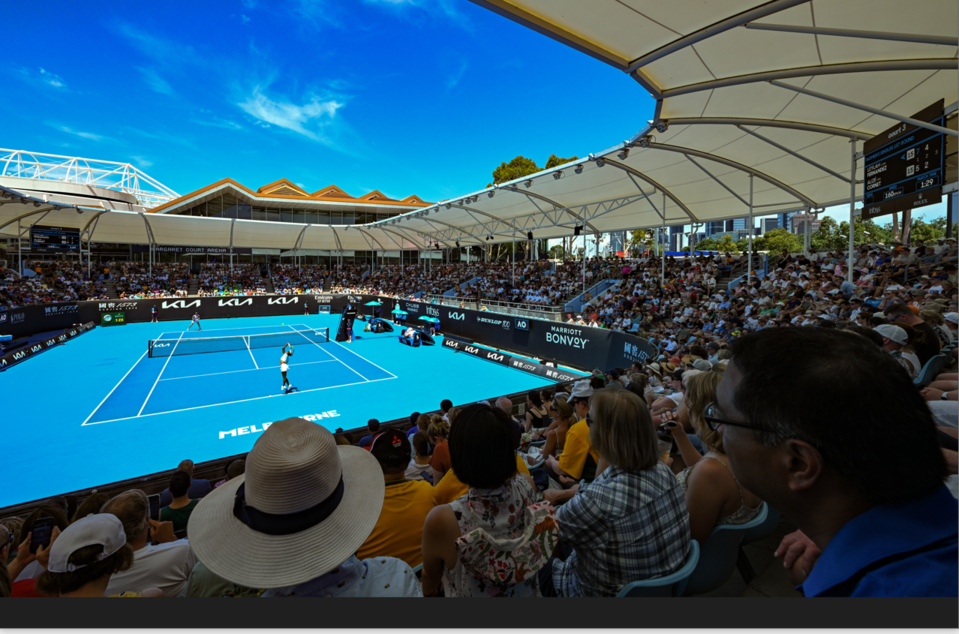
[283, 388]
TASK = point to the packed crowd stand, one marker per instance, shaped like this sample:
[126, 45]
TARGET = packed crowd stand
[222, 280]
[796, 391]
[52, 283]
[134, 280]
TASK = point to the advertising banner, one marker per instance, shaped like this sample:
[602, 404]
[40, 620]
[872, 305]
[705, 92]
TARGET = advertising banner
[568, 344]
[523, 365]
[16, 357]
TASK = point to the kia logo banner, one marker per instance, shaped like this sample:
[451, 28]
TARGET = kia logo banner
[574, 346]
[13, 358]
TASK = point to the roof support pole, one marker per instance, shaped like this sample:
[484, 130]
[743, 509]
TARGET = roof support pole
[662, 281]
[714, 29]
[852, 204]
[790, 152]
[20, 248]
[749, 272]
[859, 106]
[918, 38]
[232, 223]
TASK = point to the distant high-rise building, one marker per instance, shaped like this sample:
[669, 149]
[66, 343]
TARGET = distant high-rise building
[739, 223]
[768, 224]
[799, 221]
[616, 243]
[715, 227]
[785, 220]
[676, 242]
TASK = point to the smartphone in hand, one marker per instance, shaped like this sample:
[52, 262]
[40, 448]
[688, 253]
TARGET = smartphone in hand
[42, 532]
[154, 506]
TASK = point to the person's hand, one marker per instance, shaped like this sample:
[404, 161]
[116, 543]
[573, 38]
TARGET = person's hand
[795, 546]
[162, 532]
[24, 556]
[952, 461]
[931, 394]
[43, 554]
[566, 480]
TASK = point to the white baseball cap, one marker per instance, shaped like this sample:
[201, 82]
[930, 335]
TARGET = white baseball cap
[895, 333]
[101, 529]
[953, 317]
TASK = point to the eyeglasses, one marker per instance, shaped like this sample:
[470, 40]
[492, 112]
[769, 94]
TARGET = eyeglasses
[713, 421]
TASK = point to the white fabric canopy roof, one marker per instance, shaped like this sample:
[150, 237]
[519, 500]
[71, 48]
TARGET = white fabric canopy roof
[773, 90]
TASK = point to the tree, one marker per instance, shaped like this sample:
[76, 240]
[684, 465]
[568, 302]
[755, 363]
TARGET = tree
[556, 252]
[727, 244]
[639, 239]
[706, 244]
[517, 168]
[824, 239]
[555, 161]
[779, 240]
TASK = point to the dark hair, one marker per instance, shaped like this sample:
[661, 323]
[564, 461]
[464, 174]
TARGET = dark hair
[413, 418]
[597, 383]
[180, 484]
[90, 506]
[535, 398]
[898, 309]
[445, 405]
[877, 320]
[897, 456]
[868, 333]
[56, 512]
[421, 444]
[482, 447]
[53, 584]
[373, 425]
[698, 351]
[236, 469]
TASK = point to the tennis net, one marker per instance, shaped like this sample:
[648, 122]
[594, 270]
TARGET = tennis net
[201, 345]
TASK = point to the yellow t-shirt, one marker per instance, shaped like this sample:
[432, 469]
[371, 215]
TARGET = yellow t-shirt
[450, 488]
[576, 450]
[399, 531]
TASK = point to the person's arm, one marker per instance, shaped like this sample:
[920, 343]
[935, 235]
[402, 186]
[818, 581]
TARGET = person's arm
[704, 498]
[440, 532]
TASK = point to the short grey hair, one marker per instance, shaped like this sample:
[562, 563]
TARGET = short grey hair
[132, 508]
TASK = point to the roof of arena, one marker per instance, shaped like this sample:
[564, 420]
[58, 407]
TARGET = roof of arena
[732, 130]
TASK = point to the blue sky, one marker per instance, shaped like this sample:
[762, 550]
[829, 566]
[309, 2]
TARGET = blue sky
[420, 97]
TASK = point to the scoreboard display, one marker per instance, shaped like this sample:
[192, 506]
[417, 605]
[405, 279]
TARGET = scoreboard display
[904, 166]
[54, 239]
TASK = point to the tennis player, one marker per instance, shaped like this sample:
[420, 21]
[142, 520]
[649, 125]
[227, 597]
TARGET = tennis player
[154, 313]
[196, 320]
[284, 367]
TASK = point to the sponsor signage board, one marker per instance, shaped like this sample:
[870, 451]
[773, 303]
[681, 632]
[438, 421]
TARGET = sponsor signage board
[12, 358]
[145, 248]
[113, 319]
[523, 365]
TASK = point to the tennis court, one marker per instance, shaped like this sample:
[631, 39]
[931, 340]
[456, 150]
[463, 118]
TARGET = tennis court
[98, 409]
[196, 369]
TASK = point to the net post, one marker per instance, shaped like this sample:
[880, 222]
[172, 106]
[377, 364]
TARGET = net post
[149, 348]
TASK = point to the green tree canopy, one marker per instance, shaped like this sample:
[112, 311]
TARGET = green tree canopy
[555, 161]
[727, 244]
[779, 240]
[706, 244]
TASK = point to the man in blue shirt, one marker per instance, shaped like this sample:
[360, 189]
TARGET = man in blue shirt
[864, 483]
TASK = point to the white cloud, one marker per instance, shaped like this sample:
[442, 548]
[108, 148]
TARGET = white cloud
[52, 79]
[83, 135]
[142, 162]
[249, 4]
[155, 82]
[447, 8]
[165, 52]
[309, 119]
[244, 19]
[456, 76]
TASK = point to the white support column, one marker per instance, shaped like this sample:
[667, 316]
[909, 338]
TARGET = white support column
[852, 205]
[662, 281]
[512, 264]
[20, 248]
[749, 227]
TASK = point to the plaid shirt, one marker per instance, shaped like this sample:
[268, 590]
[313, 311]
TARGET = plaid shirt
[625, 526]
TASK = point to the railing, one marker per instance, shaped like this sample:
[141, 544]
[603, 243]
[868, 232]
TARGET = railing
[548, 313]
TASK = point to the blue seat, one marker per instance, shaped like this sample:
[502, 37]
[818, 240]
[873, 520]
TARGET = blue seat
[717, 558]
[669, 586]
[929, 371]
[752, 536]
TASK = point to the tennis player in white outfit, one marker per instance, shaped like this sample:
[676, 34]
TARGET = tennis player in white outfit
[284, 367]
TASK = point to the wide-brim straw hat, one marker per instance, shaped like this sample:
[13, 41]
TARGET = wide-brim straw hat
[289, 492]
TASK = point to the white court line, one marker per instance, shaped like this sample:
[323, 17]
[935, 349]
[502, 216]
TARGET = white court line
[114, 388]
[161, 374]
[330, 353]
[360, 356]
[258, 398]
[247, 340]
[272, 367]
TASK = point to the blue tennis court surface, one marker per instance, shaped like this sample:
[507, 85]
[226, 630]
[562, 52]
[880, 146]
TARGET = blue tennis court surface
[98, 409]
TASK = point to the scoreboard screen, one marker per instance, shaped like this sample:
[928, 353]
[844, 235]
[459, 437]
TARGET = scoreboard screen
[54, 239]
[905, 166]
